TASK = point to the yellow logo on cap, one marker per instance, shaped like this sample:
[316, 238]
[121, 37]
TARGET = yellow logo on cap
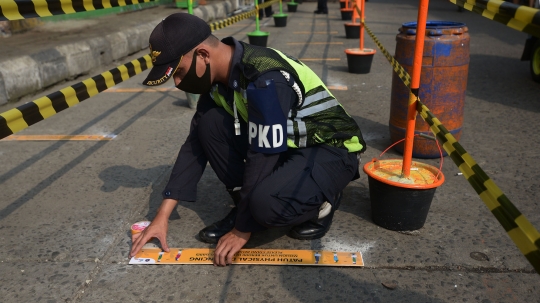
[154, 54]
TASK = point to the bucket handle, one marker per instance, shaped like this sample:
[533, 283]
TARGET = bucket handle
[433, 138]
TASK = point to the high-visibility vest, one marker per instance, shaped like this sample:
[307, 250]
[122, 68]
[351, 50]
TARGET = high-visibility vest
[317, 119]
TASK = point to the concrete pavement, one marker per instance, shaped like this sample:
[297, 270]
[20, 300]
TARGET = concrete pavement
[67, 206]
[60, 51]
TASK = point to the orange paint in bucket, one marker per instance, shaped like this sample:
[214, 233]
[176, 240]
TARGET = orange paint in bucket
[422, 176]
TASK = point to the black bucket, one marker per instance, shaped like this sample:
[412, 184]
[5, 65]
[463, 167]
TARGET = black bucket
[359, 64]
[291, 7]
[258, 40]
[280, 21]
[346, 14]
[352, 30]
[398, 208]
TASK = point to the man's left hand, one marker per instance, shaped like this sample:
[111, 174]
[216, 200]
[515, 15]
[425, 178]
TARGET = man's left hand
[229, 245]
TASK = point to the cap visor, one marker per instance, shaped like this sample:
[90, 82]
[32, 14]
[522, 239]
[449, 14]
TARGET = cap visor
[160, 74]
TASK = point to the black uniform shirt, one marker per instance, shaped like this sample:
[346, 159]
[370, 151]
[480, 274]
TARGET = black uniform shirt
[191, 161]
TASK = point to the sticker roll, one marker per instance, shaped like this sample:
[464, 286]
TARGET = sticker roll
[138, 228]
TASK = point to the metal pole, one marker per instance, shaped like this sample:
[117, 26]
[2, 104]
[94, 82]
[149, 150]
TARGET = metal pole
[257, 15]
[362, 9]
[415, 85]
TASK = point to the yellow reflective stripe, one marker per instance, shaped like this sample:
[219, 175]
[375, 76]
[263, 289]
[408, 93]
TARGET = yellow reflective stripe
[123, 72]
[528, 228]
[488, 200]
[11, 10]
[521, 241]
[493, 6]
[516, 24]
[468, 6]
[91, 87]
[122, 2]
[493, 188]
[14, 119]
[45, 107]
[148, 61]
[485, 13]
[525, 14]
[136, 66]
[41, 8]
[67, 6]
[71, 96]
[466, 170]
[88, 5]
[468, 159]
[106, 3]
[108, 79]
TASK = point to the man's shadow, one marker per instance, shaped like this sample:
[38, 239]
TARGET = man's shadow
[213, 202]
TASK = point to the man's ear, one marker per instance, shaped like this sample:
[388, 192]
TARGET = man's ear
[204, 52]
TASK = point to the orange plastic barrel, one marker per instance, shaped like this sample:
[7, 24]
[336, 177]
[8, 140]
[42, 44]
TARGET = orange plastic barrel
[443, 82]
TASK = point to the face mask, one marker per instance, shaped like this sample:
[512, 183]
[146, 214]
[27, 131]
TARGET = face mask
[191, 83]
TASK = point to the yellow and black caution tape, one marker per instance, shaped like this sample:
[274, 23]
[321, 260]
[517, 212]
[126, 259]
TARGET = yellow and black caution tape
[519, 17]
[400, 71]
[19, 118]
[520, 230]
[214, 26]
[23, 9]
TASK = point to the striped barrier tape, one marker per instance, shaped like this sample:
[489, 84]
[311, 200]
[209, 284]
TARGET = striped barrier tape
[23, 9]
[231, 20]
[21, 117]
[400, 71]
[519, 17]
[520, 230]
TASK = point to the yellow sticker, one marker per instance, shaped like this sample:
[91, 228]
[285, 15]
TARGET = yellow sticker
[250, 256]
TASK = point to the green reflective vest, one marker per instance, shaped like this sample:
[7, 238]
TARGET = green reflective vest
[317, 119]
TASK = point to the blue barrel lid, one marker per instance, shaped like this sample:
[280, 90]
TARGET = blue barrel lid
[435, 24]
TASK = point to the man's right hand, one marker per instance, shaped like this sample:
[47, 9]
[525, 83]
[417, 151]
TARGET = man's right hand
[157, 229]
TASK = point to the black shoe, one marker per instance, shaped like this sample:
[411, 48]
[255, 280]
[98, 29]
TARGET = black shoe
[315, 228]
[212, 233]
[320, 12]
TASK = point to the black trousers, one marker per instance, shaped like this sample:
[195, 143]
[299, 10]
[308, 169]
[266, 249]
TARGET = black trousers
[300, 182]
[322, 6]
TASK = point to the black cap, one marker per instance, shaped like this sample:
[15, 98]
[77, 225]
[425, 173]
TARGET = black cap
[172, 38]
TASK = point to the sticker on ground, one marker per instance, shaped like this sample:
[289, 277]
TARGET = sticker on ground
[250, 256]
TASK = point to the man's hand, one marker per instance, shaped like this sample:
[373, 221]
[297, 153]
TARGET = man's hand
[158, 229]
[229, 245]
